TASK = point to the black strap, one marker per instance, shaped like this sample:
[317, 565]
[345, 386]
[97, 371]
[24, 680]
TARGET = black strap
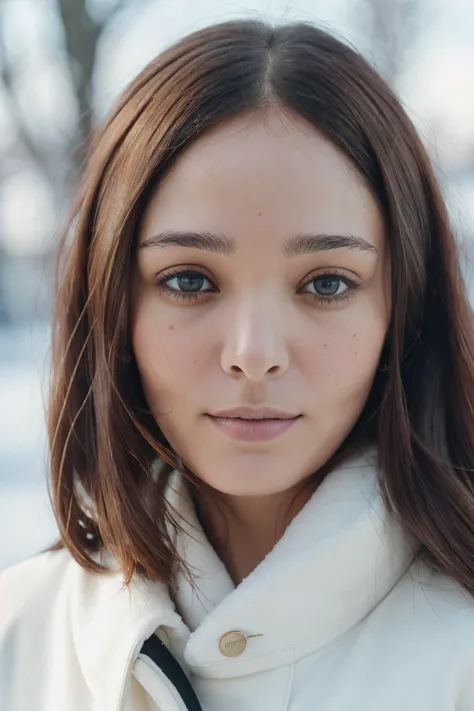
[162, 657]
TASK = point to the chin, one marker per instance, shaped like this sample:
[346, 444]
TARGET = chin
[250, 483]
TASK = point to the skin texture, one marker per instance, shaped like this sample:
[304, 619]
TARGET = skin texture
[260, 333]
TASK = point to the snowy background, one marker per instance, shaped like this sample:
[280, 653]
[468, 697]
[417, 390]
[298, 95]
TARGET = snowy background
[26, 522]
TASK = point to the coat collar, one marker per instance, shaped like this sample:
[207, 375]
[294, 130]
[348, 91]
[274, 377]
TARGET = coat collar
[336, 561]
[109, 625]
[338, 558]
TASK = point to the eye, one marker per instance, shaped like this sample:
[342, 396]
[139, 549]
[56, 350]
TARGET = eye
[331, 288]
[191, 284]
[184, 284]
[328, 285]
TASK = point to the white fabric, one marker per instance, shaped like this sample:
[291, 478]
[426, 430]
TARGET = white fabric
[338, 618]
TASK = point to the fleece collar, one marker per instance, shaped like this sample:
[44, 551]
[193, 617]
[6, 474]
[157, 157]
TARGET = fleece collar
[338, 558]
[336, 561]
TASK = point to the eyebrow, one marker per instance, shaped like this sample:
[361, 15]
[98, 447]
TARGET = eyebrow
[223, 244]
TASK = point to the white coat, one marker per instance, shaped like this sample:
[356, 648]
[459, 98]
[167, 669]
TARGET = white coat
[338, 617]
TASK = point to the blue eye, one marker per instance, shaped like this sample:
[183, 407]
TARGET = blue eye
[187, 284]
[187, 281]
[191, 284]
[328, 286]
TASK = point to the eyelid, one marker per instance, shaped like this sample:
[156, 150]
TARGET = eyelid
[344, 274]
[173, 271]
[319, 271]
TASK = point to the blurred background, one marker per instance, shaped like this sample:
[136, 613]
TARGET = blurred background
[62, 65]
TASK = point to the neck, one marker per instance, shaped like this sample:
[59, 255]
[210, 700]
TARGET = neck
[244, 529]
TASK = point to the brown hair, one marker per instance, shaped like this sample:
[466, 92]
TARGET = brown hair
[103, 440]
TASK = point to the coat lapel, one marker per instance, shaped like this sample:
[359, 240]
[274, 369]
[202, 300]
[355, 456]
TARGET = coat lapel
[109, 625]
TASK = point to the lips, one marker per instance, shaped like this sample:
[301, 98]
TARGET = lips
[255, 413]
[248, 429]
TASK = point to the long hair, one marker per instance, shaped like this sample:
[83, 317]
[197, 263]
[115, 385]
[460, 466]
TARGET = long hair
[104, 443]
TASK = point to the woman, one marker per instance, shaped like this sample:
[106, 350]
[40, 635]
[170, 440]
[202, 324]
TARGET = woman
[261, 415]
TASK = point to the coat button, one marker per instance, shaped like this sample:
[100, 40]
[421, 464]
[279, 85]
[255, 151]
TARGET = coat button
[232, 644]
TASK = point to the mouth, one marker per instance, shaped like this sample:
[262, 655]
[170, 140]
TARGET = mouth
[253, 429]
[246, 412]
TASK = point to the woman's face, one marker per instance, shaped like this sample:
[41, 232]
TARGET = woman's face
[262, 281]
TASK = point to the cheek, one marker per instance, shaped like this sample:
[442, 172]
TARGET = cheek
[349, 356]
[152, 355]
[165, 357]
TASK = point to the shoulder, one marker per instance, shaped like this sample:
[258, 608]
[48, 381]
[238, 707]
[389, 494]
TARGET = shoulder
[21, 583]
[30, 609]
[434, 618]
[33, 583]
[433, 607]
[439, 599]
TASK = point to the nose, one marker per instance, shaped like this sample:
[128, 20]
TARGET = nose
[255, 343]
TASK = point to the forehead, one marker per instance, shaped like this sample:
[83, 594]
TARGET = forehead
[272, 173]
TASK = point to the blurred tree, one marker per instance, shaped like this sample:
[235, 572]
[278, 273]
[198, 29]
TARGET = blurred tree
[82, 30]
[390, 30]
[82, 24]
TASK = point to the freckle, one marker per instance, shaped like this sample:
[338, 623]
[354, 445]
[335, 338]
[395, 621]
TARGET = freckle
[259, 214]
[171, 327]
[354, 335]
[355, 352]
[325, 345]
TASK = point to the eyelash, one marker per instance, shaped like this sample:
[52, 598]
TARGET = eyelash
[194, 296]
